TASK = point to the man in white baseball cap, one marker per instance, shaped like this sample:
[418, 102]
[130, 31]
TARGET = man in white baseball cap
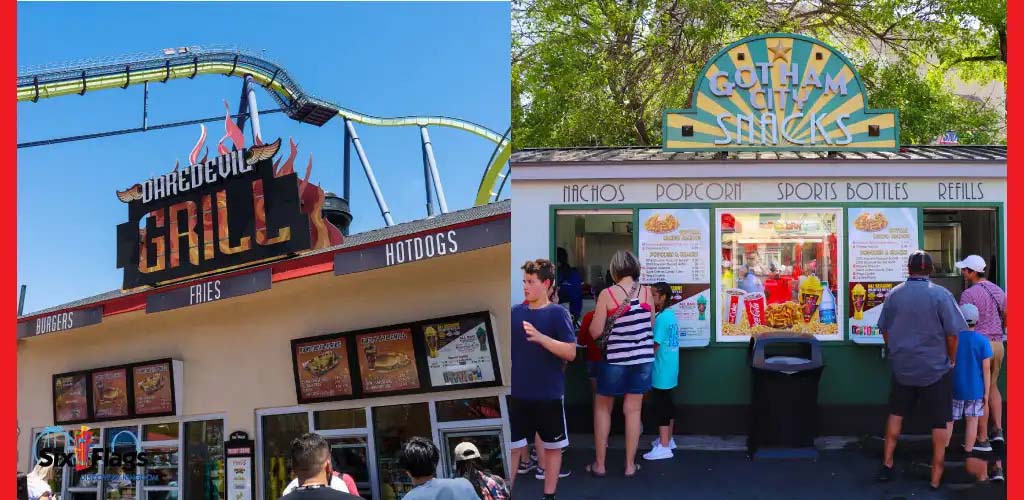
[991, 303]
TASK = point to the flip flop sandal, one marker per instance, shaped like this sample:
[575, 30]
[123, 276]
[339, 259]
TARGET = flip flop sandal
[636, 470]
[590, 470]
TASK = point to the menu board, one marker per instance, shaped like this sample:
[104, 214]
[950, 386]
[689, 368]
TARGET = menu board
[239, 478]
[881, 240]
[674, 245]
[387, 361]
[693, 315]
[110, 393]
[458, 352]
[322, 368]
[153, 389]
[70, 398]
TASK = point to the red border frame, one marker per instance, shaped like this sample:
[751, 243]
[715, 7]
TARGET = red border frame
[9, 253]
[1014, 221]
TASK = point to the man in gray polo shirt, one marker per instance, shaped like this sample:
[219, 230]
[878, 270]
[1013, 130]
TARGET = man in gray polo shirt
[919, 322]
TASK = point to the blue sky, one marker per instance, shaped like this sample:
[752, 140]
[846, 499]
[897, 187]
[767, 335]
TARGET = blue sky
[383, 59]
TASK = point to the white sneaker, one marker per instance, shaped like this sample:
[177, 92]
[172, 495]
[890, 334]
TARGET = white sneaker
[658, 453]
[657, 442]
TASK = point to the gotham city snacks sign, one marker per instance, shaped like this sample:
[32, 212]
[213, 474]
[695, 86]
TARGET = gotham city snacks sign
[779, 92]
[238, 208]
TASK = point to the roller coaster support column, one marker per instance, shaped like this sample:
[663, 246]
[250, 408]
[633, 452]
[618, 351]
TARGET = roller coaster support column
[427, 182]
[254, 112]
[347, 170]
[369, 173]
[145, 106]
[433, 169]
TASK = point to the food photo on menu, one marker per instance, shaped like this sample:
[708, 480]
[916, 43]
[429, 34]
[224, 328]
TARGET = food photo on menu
[458, 352]
[387, 361]
[322, 368]
[153, 391]
[71, 398]
[110, 393]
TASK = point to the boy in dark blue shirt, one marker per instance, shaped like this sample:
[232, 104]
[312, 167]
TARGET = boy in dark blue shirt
[970, 379]
[543, 340]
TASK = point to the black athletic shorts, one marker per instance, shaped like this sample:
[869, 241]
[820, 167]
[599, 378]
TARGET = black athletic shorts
[935, 402]
[545, 417]
[662, 408]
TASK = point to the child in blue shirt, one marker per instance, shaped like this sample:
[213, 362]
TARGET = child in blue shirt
[665, 376]
[970, 378]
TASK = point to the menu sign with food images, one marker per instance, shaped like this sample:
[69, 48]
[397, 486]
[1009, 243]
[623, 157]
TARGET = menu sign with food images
[153, 389]
[71, 398]
[322, 368]
[459, 352]
[881, 240]
[674, 246]
[110, 393]
[387, 361]
[693, 314]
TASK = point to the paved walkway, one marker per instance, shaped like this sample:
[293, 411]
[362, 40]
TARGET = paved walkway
[721, 470]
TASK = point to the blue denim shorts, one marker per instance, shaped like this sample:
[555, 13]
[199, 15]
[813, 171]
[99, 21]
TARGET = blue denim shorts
[594, 369]
[619, 380]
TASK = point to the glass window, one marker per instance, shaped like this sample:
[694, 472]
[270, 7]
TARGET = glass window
[392, 426]
[779, 272]
[119, 480]
[353, 418]
[468, 409]
[588, 239]
[86, 478]
[52, 442]
[487, 441]
[204, 460]
[278, 433]
[160, 432]
[349, 456]
[162, 467]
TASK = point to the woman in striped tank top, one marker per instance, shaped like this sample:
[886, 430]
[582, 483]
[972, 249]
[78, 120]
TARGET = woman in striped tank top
[626, 370]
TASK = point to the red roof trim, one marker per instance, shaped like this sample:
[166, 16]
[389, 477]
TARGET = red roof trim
[283, 270]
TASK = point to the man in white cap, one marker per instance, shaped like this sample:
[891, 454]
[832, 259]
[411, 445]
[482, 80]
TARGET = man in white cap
[991, 303]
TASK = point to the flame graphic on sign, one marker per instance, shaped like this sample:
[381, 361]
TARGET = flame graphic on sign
[322, 234]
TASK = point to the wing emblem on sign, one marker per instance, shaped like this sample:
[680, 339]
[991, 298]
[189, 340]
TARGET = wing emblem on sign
[131, 194]
[259, 153]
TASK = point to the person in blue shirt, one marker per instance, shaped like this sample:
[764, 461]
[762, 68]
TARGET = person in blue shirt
[543, 341]
[970, 379]
[666, 372]
[570, 285]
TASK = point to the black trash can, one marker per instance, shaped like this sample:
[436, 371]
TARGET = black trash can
[785, 371]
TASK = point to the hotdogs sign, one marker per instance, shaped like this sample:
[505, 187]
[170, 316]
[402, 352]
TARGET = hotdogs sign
[779, 92]
[236, 209]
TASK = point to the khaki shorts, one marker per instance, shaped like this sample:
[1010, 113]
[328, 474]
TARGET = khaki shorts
[998, 352]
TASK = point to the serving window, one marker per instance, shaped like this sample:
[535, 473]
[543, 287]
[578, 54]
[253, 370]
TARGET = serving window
[589, 238]
[779, 271]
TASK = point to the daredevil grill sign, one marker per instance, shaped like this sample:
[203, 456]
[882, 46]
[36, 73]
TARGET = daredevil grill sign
[223, 213]
[240, 208]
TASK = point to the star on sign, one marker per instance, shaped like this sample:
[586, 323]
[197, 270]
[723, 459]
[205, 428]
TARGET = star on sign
[779, 51]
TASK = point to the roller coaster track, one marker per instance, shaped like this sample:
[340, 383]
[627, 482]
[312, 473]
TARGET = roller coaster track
[46, 82]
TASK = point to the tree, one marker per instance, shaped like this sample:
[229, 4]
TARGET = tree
[599, 72]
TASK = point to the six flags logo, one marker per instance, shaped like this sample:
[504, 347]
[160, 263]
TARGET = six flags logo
[84, 455]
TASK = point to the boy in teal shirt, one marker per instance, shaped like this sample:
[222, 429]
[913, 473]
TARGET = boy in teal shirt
[666, 372]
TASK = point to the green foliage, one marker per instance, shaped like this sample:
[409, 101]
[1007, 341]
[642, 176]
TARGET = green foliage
[599, 72]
